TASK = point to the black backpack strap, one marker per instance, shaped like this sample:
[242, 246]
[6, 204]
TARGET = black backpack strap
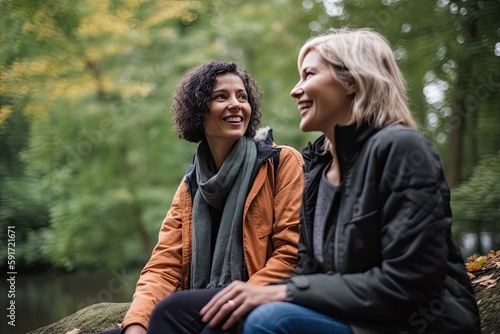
[276, 162]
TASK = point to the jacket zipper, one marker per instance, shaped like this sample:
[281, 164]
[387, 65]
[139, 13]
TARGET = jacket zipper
[304, 227]
[337, 233]
[343, 184]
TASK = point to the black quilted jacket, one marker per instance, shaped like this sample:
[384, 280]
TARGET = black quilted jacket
[390, 264]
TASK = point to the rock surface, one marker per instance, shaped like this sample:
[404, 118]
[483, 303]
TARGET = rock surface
[89, 320]
[484, 272]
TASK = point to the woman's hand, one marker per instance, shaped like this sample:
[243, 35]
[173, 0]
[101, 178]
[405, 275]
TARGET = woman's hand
[135, 329]
[239, 299]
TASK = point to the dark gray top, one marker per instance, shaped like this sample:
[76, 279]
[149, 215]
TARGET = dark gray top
[326, 195]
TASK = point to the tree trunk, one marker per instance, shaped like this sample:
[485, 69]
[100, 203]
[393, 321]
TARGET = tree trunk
[453, 169]
[474, 155]
[141, 228]
[137, 210]
[478, 226]
[93, 66]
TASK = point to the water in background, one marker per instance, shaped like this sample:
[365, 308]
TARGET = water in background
[42, 299]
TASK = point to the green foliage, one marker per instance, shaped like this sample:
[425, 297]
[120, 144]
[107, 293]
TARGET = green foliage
[37, 24]
[477, 200]
[89, 162]
[101, 175]
[19, 205]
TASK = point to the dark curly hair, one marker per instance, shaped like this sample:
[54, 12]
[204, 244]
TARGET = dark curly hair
[190, 103]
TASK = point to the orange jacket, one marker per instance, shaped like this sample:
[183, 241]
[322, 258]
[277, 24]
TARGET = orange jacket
[270, 236]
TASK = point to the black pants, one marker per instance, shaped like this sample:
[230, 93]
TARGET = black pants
[179, 314]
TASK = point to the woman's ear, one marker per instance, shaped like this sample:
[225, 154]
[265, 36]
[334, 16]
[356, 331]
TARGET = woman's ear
[352, 88]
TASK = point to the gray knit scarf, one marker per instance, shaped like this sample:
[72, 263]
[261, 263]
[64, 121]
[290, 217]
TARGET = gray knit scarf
[227, 191]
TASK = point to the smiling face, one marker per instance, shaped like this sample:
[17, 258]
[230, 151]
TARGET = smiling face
[322, 101]
[230, 112]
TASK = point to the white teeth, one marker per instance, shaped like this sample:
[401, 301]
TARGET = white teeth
[305, 105]
[233, 119]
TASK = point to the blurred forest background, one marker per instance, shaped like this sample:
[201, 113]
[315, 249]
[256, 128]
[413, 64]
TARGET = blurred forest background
[89, 162]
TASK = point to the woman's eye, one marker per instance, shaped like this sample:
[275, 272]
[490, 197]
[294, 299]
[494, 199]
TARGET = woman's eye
[219, 97]
[308, 74]
[243, 97]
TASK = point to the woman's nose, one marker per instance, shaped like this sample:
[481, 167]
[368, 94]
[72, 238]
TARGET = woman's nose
[233, 103]
[296, 92]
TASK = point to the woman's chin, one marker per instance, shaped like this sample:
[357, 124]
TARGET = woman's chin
[304, 127]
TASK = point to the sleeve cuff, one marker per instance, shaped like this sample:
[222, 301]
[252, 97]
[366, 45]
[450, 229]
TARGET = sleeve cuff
[294, 285]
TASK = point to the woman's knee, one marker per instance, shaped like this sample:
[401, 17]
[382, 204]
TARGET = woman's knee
[266, 316]
[181, 306]
[169, 305]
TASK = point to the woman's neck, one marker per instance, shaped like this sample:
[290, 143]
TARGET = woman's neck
[219, 152]
[330, 136]
[333, 173]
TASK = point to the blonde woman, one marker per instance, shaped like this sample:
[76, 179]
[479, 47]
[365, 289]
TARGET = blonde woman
[376, 253]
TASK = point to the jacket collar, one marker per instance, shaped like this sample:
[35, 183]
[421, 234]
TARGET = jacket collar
[351, 136]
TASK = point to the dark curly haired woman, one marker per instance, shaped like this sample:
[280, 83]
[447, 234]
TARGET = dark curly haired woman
[233, 217]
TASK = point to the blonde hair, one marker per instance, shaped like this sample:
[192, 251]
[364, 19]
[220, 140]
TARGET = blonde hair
[365, 58]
